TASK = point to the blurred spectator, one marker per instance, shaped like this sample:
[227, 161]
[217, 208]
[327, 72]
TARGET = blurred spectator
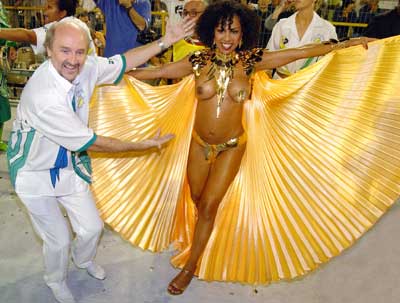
[156, 20]
[366, 13]
[158, 5]
[87, 5]
[97, 37]
[322, 9]
[3, 23]
[175, 8]
[345, 13]
[10, 50]
[253, 4]
[385, 25]
[192, 9]
[369, 10]
[263, 13]
[124, 20]
[55, 10]
[278, 9]
[303, 27]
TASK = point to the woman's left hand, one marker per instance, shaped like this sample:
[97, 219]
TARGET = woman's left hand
[360, 40]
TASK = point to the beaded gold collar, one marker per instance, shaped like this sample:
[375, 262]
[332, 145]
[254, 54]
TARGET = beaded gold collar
[222, 67]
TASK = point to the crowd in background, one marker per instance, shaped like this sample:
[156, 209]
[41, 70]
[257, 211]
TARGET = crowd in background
[118, 25]
[356, 12]
[350, 18]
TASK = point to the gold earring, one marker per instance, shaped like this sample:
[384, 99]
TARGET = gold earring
[214, 45]
[240, 43]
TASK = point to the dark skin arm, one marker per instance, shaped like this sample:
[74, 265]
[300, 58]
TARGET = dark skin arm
[279, 58]
[174, 70]
[270, 60]
[18, 35]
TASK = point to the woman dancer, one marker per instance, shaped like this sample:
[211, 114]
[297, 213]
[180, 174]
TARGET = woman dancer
[223, 83]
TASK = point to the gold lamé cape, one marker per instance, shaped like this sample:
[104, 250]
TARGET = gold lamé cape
[322, 165]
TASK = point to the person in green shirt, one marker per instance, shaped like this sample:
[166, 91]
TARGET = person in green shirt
[5, 111]
[10, 53]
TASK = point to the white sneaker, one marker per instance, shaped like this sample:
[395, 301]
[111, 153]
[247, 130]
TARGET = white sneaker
[96, 271]
[61, 292]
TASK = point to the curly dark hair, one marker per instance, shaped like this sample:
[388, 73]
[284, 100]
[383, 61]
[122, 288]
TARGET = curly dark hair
[222, 12]
[68, 5]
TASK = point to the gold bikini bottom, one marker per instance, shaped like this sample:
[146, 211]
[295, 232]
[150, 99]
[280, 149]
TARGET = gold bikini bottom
[211, 151]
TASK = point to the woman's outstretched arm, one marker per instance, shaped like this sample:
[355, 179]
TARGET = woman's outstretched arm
[274, 59]
[174, 70]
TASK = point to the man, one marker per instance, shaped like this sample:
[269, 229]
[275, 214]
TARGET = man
[192, 10]
[47, 158]
[55, 10]
[385, 25]
[124, 20]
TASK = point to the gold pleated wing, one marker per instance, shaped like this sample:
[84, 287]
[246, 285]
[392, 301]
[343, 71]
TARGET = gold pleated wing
[141, 195]
[321, 166]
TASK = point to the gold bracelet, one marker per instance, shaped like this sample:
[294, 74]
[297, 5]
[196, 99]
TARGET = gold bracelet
[341, 44]
[335, 44]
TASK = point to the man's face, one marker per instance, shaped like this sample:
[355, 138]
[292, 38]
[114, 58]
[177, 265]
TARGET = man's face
[68, 51]
[52, 12]
[193, 9]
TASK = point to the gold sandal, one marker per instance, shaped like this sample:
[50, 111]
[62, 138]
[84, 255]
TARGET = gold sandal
[173, 289]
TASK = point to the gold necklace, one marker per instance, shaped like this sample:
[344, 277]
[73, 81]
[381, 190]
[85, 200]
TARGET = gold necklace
[222, 66]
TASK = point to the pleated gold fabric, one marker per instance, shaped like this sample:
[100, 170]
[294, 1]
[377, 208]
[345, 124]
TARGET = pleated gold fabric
[321, 166]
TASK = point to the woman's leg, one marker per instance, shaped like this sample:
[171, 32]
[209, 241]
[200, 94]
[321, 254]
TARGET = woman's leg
[198, 169]
[208, 186]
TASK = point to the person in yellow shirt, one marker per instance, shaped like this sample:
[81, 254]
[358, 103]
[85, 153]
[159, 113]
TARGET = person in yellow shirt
[193, 10]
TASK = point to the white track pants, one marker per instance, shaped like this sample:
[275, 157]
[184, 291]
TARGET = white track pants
[52, 228]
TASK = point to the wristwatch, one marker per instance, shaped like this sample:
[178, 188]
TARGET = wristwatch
[161, 44]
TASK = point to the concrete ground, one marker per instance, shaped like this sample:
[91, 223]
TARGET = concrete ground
[368, 272]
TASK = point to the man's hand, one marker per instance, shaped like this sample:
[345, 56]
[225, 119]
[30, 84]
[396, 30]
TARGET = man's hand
[126, 3]
[178, 31]
[157, 141]
[114, 145]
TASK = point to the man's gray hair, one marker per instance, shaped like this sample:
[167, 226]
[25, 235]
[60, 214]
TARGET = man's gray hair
[72, 21]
